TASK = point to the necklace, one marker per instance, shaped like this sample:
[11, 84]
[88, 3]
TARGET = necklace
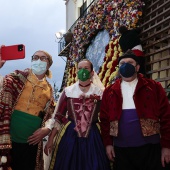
[83, 88]
[85, 85]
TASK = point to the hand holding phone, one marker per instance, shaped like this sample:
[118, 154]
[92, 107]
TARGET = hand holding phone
[13, 52]
[2, 62]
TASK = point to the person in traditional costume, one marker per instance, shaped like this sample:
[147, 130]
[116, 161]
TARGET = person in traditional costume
[26, 102]
[135, 120]
[78, 144]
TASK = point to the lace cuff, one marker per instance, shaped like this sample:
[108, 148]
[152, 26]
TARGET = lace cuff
[57, 125]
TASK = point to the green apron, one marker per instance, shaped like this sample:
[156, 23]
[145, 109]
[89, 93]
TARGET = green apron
[23, 125]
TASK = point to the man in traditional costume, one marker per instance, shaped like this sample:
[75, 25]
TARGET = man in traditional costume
[135, 120]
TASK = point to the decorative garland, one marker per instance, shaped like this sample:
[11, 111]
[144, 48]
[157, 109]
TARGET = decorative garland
[109, 69]
[108, 15]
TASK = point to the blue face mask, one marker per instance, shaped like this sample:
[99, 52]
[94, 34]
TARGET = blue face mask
[127, 70]
[39, 67]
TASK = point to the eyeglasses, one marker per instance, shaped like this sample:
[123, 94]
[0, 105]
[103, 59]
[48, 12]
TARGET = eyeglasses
[42, 58]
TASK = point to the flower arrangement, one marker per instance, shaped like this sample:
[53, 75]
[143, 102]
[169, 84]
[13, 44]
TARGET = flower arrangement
[108, 15]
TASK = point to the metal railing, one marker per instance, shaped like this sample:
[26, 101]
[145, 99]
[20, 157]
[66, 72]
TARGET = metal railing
[61, 45]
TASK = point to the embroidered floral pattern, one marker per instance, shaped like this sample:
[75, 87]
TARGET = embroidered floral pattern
[150, 127]
[95, 98]
[114, 128]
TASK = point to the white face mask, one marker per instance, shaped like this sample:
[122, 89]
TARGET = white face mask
[38, 67]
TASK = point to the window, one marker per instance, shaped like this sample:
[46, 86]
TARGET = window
[82, 8]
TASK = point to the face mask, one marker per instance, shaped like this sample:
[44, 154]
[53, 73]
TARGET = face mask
[38, 67]
[127, 70]
[83, 74]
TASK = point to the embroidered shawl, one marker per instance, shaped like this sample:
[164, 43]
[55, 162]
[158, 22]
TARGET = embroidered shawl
[13, 86]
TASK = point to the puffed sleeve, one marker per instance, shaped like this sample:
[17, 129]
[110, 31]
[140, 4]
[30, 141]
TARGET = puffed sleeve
[60, 111]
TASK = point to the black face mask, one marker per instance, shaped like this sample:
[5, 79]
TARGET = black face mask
[127, 70]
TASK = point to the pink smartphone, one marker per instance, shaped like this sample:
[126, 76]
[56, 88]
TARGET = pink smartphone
[13, 52]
